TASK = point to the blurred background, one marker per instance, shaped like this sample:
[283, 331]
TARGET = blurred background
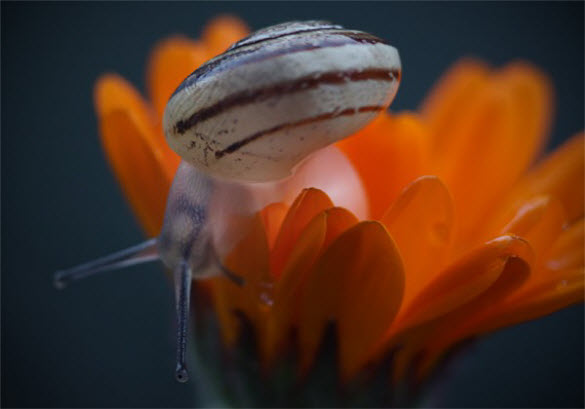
[109, 341]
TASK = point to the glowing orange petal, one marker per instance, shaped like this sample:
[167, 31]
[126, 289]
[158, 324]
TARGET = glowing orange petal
[567, 252]
[171, 61]
[372, 291]
[449, 99]
[338, 221]
[533, 93]
[494, 141]
[388, 154]
[144, 179]
[460, 323]
[290, 285]
[249, 260]
[420, 221]
[114, 93]
[546, 286]
[273, 215]
[315, 238]
[464, 280]
[561, 175]
[359, 280]
[565, 290]
[223, 31]
[513, 299]
[539, 222]
[540, 215]
[308, 204]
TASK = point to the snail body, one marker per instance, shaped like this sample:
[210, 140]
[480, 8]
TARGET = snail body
[256, 111]
[242, 123]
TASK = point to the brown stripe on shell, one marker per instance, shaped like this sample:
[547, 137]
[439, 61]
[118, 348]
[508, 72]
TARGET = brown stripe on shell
[284, 88]
[247, 55]
[323, 117]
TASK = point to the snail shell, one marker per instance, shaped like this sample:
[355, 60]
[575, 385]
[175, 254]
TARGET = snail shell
[256, 111]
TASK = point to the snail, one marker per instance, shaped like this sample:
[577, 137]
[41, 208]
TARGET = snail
[243, 123]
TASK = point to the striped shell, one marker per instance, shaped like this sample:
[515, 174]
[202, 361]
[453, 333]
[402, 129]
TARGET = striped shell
[256, 111]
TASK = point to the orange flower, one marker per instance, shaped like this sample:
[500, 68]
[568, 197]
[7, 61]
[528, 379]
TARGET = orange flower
[465, 233]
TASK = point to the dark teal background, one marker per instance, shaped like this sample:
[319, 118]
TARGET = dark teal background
[109, 341]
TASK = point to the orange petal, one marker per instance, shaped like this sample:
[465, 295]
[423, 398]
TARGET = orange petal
[540, 222]
[290, 285]
[561, 175]
[549, 297]
[513, 299]
[144, 178]
[272, 216]
[306, 206]
[421, 232]
[461, 322]
[372, 291]
[388, 154]
[170, 62]
[533, 92]
[449, 99]
[249, 260]
[567, 252]
[494, 141]
[547, 285]
[315, 238]
[223, 31]
[113, 93]
[461, 282]
[359, 280]
[338, 221]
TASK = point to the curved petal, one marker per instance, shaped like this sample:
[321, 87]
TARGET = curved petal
[290, 286]
[359, 280]
[534, 96]
[272, 216]
[170, 62]
[249, 260]
[315, 238]
[464, 280]
[133, 148]
[114, 93]
[421, 232]
[539, 221]
[561, 175]
[388, 154]
[567, 251]
[547, 298]
[223, 31]
[493, 141]
[143, 176]
[513, 298]
[449, 99]
[552, 286]
[306, 206]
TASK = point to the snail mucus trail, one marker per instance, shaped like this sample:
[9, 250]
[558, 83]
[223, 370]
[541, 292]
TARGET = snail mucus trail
[242, 124]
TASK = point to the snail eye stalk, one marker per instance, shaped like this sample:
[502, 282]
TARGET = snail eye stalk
[138, 254]
[183, 298]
